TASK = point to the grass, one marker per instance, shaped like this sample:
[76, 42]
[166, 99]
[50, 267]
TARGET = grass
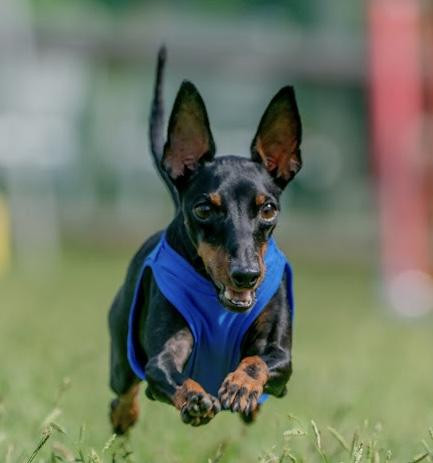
[361, 389]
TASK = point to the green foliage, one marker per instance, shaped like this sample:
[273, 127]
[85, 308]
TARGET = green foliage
[303, 12]
[119, 3]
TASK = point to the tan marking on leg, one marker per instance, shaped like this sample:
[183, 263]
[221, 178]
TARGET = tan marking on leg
[181, 397]
[125, 410]
[256, 368]
[242, 388]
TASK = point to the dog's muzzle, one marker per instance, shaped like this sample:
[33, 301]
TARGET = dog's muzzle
[237, 300]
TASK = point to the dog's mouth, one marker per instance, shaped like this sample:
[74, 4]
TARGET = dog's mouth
[237, 300]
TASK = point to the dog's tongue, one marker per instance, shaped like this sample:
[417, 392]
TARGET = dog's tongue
[242, 297]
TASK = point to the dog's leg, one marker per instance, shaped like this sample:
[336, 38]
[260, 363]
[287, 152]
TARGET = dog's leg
[266, 359]
[242, 388]
[168, 343]
[196, 406]
[255, 375]
[124, 410]
[168, 384]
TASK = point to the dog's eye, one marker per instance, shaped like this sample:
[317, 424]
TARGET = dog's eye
[202, 211]
[268, 212]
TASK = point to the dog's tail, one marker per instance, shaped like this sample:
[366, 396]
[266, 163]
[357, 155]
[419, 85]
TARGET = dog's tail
[156, 125]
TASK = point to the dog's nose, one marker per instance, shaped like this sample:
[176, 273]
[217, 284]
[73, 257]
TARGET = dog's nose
[244, 278]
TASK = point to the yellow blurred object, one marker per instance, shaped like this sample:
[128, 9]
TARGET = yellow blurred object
[5, 238]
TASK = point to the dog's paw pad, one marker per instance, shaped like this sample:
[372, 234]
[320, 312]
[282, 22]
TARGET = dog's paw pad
[196, 406]
[199, 409]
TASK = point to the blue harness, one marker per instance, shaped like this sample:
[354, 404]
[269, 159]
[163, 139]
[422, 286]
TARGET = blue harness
[217, 332]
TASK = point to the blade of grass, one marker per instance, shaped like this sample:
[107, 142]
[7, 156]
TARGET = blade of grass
[342, 441]
[52, 416]
[94, 457]
[358, 453]
[426, 446]
[57, 427]
[295, 432]
[219, 453]
[109, 444]
[420, 457]
[354, 443]
[9, 452]
[82, 433]
[317, 435]
[45, 436]
[318, 441]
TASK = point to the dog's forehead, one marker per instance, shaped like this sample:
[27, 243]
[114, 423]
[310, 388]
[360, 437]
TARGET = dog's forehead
[233, 177]
[238, 179]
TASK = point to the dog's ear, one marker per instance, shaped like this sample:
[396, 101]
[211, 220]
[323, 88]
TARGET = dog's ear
[278, 138]
[189, 139]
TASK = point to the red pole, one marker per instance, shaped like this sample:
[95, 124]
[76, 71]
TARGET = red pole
[396, 106]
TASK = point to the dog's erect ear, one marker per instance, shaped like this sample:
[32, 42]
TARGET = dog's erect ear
[278, 138]
[189, 139]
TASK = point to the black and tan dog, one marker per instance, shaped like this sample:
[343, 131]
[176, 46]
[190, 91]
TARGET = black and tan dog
[226, 210]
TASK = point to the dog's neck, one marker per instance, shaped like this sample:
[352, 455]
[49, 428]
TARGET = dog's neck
[179, 239]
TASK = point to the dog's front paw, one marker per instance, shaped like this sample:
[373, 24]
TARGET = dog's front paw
[196, 406]
[240, 393]
[199, 409]
[243, 387]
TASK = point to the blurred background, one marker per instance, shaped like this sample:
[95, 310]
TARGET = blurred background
[78, 192]
[76, 83]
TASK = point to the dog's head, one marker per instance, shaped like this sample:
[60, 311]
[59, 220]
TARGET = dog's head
[230, 204]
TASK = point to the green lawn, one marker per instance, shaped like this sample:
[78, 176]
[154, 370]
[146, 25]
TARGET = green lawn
[356, 368]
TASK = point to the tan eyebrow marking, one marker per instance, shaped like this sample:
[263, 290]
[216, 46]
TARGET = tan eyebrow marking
[260, 200]
[215, 199]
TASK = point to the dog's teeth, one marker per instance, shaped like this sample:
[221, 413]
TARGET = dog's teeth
[243, 297]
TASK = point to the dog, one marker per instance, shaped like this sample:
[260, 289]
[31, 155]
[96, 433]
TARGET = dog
[205, 313]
